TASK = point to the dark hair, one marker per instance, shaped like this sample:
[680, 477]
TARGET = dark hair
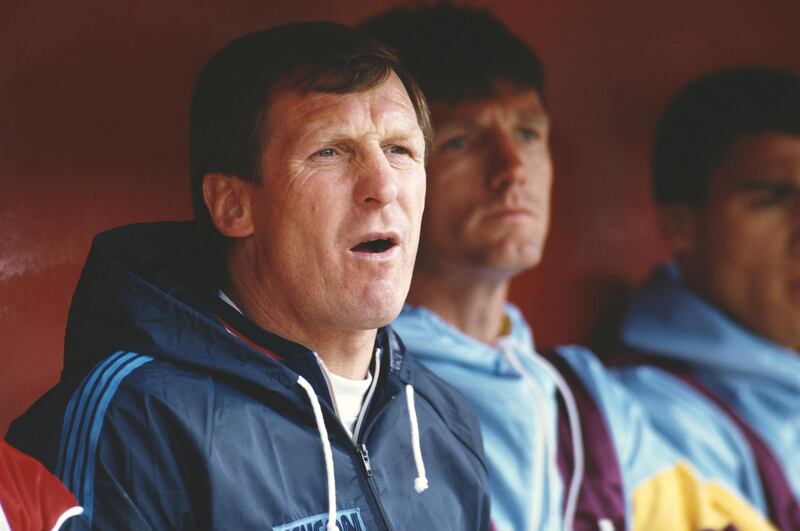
[704, 118]
[231, 96]
[457, 52]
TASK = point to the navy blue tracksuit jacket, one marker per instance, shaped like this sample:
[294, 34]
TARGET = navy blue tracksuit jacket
[175, 412]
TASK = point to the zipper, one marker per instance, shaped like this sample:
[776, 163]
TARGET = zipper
[364, 453]
[370, 480]
[364, 458]
[362, 447]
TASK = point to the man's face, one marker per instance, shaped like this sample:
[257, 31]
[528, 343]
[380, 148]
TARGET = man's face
[489, 177]
[337, 215]
[746, 255]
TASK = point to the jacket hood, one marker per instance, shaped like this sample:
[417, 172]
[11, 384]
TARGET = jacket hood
[142, 290]
[669, 319]
[166, 396]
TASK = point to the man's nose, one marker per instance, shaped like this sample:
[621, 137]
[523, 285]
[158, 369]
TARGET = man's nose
[505, 160]
[376, 183]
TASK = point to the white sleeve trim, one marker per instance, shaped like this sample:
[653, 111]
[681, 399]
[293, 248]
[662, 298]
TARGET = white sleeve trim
[4, 526]
[66, 515]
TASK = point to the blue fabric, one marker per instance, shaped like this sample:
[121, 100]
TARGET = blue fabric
[79, 456]
[759, 379]
[507, 413]
[504, 405]
[641, 451]
[205, 431]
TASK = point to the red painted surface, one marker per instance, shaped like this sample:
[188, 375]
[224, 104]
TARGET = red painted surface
[93, 133]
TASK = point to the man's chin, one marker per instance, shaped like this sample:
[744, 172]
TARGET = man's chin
[371, 321]
[373, 314]
[515, 258]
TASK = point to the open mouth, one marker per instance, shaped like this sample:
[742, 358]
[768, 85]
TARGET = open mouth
[376, 246]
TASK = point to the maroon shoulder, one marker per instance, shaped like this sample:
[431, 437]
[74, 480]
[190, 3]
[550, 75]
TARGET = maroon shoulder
[602, 494]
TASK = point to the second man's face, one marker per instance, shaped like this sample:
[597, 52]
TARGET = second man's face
[489, 179]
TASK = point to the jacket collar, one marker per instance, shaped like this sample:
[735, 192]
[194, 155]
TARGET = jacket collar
[295, 356]
[669, 319]
[138, 292]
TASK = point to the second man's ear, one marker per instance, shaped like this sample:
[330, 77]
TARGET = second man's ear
[678, 223]
[228, 201]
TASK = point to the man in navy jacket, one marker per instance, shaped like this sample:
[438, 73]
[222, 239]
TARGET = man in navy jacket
[236, 372]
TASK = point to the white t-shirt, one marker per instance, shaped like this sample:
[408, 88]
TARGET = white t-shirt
[348, 395]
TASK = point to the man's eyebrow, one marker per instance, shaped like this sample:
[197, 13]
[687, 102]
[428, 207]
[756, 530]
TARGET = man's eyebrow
[758, 184]
[529, 117]
[331, 132]
[534, 116]
[403, 133]
[460, 122]
[755, 185]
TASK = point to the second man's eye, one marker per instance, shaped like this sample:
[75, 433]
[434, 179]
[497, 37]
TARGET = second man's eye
[455, 143]
[327, 152]
[771, 196]
[528, 134]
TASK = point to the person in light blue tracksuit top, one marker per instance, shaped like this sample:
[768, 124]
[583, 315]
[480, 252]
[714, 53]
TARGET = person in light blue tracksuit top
[511, 411]
[236, 371]
[712, 342]
[522, 437]
[568, 447]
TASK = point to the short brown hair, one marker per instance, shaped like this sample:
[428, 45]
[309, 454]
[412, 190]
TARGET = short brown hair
[232, 93]
[457, 52]
[701, 122]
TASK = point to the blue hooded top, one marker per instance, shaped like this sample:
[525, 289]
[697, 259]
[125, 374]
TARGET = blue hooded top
[175, 412]
[633, 477]
[752, 385]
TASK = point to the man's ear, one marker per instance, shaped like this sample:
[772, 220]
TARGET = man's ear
[678, 223]
[228, 201]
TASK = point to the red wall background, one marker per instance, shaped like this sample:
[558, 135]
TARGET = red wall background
[93, 134]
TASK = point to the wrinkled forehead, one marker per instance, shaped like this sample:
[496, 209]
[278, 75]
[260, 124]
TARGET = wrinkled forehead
[386, 107]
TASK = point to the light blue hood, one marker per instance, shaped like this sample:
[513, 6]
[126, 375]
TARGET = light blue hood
[758, 378]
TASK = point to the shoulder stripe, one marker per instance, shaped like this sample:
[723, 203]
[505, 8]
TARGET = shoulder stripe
[89, 410]
[73, 418]
[83, 422]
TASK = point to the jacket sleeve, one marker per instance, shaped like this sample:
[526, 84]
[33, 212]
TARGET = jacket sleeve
[135, 468]
[662, 489]
[31, 497]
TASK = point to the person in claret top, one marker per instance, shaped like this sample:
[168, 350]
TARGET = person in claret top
[717, 330]
[594, 461]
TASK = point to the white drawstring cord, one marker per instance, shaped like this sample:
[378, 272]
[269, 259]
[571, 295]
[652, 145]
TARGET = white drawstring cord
[421, 481]
[326, 452]
[577, 439]
[541, 447]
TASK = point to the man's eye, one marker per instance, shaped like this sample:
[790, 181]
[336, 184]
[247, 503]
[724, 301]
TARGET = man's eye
[327, 152]
[527, 135]
[769, 199]
[456, 143]
[398, 150]
[772, 196]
